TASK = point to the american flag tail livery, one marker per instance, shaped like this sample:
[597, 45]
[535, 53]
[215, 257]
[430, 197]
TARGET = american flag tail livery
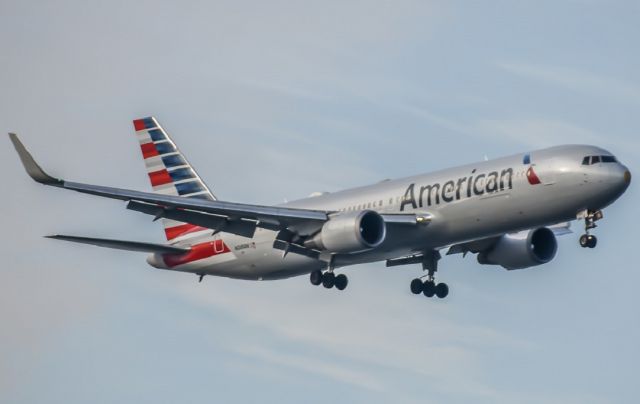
[170, 173]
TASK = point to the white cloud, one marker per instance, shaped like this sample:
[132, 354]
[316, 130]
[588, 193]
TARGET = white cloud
[366, 338]
[536, 133]
[306, 363]
[576, 80]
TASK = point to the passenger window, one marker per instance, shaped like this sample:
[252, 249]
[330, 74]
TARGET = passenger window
[595, 159]
[585, 161]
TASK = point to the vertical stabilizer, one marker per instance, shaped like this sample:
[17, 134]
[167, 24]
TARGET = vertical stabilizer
[169, 172]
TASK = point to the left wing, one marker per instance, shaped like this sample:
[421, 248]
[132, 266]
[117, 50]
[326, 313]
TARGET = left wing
[237, 218]
[228, 216]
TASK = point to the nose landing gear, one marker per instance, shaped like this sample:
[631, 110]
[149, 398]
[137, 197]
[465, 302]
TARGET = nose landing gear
[588, 240]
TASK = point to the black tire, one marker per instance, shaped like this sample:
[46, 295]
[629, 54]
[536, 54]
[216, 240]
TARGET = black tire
[592, 242]
[341, 282]
[442, 290]
[429, 289]
[416, 286]
[316, 277]
[328, 280]
[584, 241]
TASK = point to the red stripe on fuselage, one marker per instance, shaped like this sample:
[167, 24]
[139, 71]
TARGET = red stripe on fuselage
[177, 231]
[159, 178]
[197, 252]
[148, 150]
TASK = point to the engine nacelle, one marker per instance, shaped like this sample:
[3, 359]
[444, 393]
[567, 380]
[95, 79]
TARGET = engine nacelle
[350, 232]
[521, 250]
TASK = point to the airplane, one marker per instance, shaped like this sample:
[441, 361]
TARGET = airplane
[507, 211]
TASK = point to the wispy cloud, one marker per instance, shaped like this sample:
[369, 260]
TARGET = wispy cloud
[307, 363]
[535, 133]
[360, 340]
[576, 80]
[530, 132]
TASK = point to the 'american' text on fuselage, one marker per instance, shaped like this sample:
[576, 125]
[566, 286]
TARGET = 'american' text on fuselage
[454, 190]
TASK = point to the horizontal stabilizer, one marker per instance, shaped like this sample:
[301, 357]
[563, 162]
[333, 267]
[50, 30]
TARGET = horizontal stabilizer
[123, 245]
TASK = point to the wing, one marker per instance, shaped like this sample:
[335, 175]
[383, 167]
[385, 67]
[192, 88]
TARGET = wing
[218, 215]
[473, 246]
[230, 217]
[476, 246]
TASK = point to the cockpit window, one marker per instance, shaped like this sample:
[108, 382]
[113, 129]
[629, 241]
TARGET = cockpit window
[588, 160]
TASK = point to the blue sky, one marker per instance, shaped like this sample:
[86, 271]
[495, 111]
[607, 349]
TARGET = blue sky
[275, 100]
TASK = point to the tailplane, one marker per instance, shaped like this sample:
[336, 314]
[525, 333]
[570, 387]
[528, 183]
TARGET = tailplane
[169, 172]
[122, 244]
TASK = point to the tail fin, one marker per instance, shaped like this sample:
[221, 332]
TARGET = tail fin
[169, 172]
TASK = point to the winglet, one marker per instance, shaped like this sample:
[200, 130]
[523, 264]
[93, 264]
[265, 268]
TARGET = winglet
[30, 165]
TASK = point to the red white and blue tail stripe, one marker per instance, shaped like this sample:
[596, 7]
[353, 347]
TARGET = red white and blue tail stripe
[169, 172]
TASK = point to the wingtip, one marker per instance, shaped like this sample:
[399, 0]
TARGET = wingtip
[31, 167]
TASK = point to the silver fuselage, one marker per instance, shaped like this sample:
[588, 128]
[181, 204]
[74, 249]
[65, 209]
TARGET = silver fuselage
[465, 203]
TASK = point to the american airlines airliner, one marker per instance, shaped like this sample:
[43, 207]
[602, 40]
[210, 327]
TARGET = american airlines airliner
[507, 211]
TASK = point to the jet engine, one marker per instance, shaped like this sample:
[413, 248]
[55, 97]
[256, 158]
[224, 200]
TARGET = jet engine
[521, 250]
[350, 232]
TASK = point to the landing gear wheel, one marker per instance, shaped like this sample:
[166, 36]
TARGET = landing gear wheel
[584, 241]
[316, 278]
[429, 288]
[328, 280]
[341, 281]
[416, 286]
[588, 241]
[442, 290]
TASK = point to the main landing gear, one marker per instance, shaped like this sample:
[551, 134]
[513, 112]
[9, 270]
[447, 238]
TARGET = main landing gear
[328, 279]
[429, 288]
[588, 240]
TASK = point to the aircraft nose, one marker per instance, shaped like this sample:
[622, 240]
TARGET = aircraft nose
[622, 178]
